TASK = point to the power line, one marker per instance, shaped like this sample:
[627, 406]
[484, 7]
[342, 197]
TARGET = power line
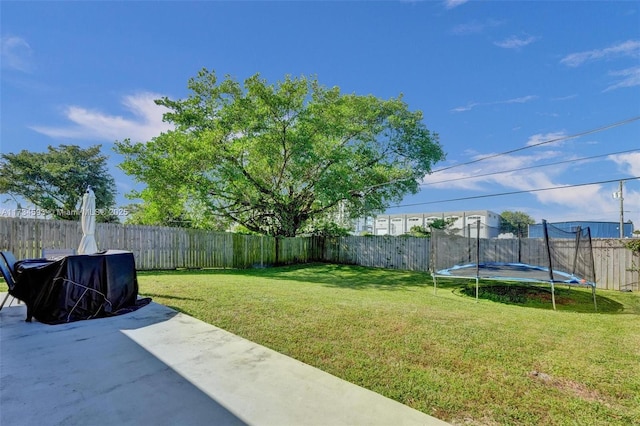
[588, 132]
[528, 168]
[515, 192]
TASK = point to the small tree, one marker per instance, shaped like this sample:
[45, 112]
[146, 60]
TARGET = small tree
[419, 231]
[55, 181]
[425, 231]
[516, 223]
[179, 213]
[634, 246]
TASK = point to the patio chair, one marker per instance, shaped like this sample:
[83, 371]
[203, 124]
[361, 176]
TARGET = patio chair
[7, 265]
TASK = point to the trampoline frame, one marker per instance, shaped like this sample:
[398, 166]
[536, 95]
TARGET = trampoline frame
[572, 279]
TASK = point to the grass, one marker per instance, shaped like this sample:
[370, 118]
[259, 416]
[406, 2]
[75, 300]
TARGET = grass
[540, 296]
[445, 354]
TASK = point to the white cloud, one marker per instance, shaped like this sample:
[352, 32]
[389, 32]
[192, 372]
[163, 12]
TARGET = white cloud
[556, 203]
[629, 163]
[450, 4]
[630, 78]
[515, 42]
[15, 53]
[565, 202]
[581, 201]
[145, 123]
[521, 100]
[547, 138]
[565, 98]
[492, 171]
[471, 105]
[467, 107]
[627, 48]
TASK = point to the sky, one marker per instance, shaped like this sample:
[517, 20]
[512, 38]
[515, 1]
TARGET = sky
[525, 96]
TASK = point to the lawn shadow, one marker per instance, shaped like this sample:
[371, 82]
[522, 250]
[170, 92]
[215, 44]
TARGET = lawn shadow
[361, 277]
[536, 296]
[352, 277]
[332, 275]
[167, 296]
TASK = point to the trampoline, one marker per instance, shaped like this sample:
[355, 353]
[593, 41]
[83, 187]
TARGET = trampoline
[505, 271]
[561, 257]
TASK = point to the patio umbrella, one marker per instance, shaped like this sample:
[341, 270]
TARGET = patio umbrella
[88, 243]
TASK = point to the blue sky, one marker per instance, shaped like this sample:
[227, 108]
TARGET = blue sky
[490, 77]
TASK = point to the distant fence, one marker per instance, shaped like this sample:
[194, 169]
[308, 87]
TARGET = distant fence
[170, 248]
[612, 260]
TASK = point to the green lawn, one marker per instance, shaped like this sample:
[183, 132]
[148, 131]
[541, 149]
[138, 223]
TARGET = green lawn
[445, 354]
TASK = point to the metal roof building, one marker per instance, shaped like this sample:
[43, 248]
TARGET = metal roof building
[598, 229]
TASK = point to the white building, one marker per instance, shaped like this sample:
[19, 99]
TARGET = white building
[464, 223]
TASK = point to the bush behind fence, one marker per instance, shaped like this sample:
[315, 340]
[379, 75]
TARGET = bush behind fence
[171, 248]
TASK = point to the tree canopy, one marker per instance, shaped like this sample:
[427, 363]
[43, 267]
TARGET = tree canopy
[516, 223]
[54, 181]
[172, 214]
[425, 231]
[270, 157]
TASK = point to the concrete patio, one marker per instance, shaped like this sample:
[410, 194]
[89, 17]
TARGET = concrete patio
[156, 366]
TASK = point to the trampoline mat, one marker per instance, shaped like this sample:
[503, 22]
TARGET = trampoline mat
[510, 272]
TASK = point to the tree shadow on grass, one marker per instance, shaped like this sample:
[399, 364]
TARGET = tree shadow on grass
[361, 277]
[338, 276]
[168, 296]
[354, 277]
[537, 296]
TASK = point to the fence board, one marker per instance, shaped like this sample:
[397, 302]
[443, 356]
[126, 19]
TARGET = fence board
[170, 248]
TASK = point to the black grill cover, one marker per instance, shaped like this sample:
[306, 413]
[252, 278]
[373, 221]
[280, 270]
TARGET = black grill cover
[78, 287]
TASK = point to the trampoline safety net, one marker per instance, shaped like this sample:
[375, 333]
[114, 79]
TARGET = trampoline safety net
[476, 252]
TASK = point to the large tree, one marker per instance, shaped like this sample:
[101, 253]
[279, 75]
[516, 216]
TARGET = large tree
[173, 214]
[516, 223]
[54, 181]
[272, 157]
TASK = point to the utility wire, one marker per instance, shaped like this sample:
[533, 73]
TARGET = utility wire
[528, 168]
[515, 192]
[588, 132]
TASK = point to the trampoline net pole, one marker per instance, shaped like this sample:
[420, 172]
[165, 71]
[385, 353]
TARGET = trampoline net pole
[575, 253]
[593, 269]
[478, 248]
[432, 259]
[477, 289]
[477, 258]
[546, 242]
[519, 245]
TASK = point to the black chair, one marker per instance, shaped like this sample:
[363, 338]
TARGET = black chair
[7, 267]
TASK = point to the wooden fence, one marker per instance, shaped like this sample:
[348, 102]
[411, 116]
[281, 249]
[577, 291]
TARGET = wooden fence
[170, 248]
[614, 263]
[155, 247]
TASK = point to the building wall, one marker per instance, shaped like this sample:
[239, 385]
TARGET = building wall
[400, 224]
[598, 229]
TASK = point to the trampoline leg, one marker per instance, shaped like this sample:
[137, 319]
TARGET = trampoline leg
[435, 285]
[477, 289]
[553, 296]
[595, 304]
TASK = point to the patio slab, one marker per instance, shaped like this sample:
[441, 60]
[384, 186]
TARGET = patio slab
[156, 366]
